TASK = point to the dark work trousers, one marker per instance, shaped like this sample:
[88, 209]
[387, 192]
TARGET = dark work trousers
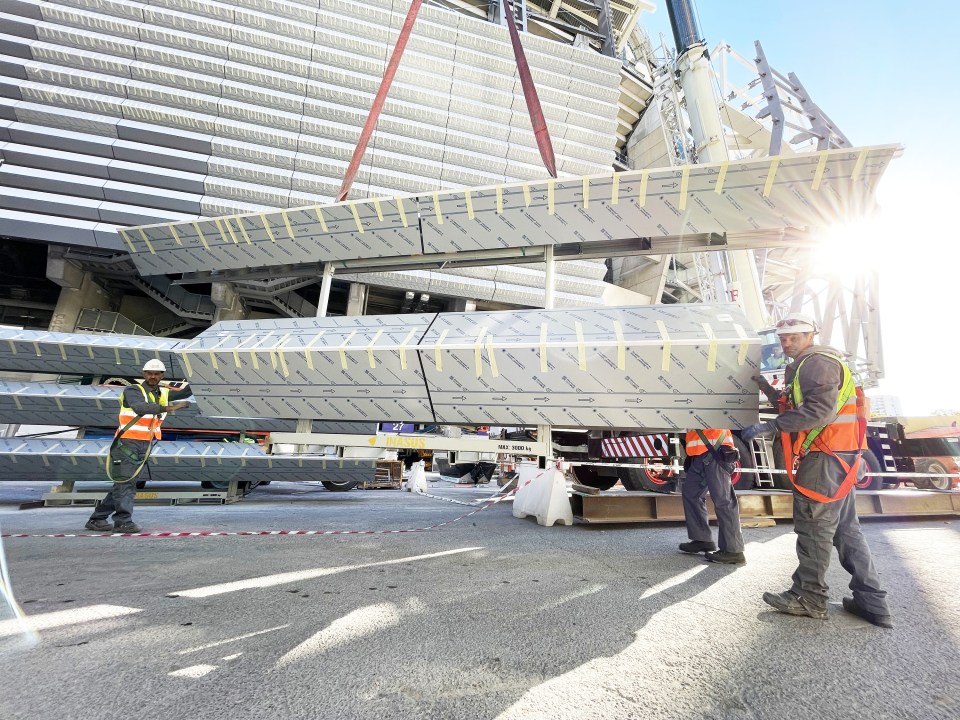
[706, 474]
[822, 526]
[119, 500]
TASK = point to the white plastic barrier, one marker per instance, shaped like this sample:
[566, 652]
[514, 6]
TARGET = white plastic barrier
[417, 482]
[543, 494]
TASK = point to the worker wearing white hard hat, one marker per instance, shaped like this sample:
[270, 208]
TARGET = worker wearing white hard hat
[143, 407]
[821, 420]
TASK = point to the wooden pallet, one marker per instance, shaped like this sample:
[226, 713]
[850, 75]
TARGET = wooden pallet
[389, 474]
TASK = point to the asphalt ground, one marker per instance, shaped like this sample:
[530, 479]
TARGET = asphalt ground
[485, 617]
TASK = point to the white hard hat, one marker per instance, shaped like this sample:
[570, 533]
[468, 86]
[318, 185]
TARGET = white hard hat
[154, 366]
[797, 323]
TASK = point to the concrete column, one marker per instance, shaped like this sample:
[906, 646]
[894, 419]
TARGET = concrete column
[228, 302]
[79, 291]
[462, 305]
[357, 300]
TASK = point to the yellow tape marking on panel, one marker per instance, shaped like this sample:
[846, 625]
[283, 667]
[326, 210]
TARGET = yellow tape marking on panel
[376, 206]
[526, 195]
[771, 175]
[403, 349]
[492, 358]
[203, 240]
[253, 359]
[343, 352]
[642, 194]
[718, 188]
[437, 354]
[581, 348]
[236, 358]
[684, 184]
[186, 363]
[621, 348]
[320, 219]
[499, 199]
[665, 338]
[233, 235]
[63, 351]
[858, 168]
[219, 226]
[373, 363]
[281, 356]
[477, 348]
[356, 217]
[586, 193]
[468, 197]
[147, 241]
[543, 347]
[615, 189]
[744, 344]
[551, 188]
[821, 168]
[403, 214]
[712, 350]
[126, 238]
[243, 230]
[174, 233]
[266, 226]
[16, 401]
[286, 222]
[437, 212]
[213, 360]
[36, 349]
[116, 355]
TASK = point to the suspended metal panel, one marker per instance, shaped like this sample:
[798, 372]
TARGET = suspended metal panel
[736, 198]
[67, 353]
[97, 406]
[62, 460]
[663, 367]
[352, 368]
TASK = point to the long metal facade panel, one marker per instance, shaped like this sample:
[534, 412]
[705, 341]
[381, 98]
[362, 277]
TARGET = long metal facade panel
[680, 366]
[359, 369]
[40, 351]
[97, 406]
[731, 198]
[61, 460]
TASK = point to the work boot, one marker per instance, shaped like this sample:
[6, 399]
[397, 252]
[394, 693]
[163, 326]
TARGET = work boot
[792, 604]
[726, 558]
[697, 546]
[127, 527]
[852, 606]
[98, 525]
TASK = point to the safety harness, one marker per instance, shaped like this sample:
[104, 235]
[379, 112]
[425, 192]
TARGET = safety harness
[849, 395]
[118, 447]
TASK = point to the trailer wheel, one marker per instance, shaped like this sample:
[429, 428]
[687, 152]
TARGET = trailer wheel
[873, 466]
[242, 486]
[649, 479]
[590, 476]
[937, 483]
[744, 480]
[333, 486]
[780, 481]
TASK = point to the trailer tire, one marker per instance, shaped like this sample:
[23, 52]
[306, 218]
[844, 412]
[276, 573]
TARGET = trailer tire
[937, 483]
[872, 466]
[589, 475]
[744, 480]
[648, 479]
[334, 486]
[242, 486]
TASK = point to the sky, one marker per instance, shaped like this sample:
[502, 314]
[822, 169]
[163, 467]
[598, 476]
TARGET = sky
[884, 72]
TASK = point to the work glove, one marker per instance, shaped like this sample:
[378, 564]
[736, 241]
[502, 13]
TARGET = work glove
[751, 431]
[766, 388]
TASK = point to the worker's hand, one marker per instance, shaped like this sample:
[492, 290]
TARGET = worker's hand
[751, 431]
[766, 388]
[177, 406]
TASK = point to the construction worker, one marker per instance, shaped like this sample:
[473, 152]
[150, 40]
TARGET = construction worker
[822, 422]
[711, 460]
[142, 409]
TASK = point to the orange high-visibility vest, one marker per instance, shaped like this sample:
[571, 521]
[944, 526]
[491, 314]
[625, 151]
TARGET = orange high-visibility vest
[146, 427]
[717, 438]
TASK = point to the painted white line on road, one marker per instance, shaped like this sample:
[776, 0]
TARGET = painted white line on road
[60, 618]
[228, 658]
[194, 671]
[352, 626]
[289, 577]
[572, 596]
[672, 582]
[234, 639]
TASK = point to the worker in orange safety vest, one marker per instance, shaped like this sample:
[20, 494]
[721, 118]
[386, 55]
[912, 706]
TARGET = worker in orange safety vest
[822, 423]
[711, 459]
[142, 409]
